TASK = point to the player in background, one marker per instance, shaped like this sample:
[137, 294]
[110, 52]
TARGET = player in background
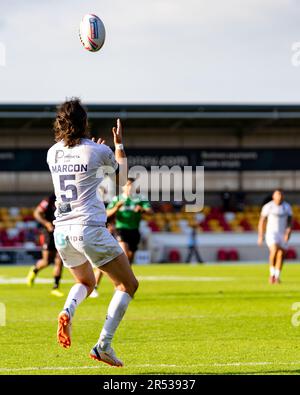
[44, 214]
[192, 245]
[128, 209]
[276, 223]
[81, 236]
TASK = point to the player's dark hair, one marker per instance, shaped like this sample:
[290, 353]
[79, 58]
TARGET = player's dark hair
[71, 123]
[131, 179]
[278, 190]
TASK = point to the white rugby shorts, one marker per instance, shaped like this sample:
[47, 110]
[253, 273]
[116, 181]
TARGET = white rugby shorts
[276, 238]
[78, 243]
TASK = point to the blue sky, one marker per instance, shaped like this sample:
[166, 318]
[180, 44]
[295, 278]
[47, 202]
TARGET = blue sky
[157, 51]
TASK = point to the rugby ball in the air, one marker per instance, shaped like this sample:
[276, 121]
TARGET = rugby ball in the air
[92, 32]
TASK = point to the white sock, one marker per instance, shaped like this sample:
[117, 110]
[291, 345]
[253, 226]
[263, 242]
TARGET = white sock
[272, 271]
[116, 310]
[76, 295]
[277, 273]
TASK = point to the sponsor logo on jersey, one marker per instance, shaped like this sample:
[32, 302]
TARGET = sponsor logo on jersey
[59, 154]
[60, 239]
[74, 238]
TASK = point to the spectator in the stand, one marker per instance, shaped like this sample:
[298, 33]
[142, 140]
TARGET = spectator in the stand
[226, 199]
[177, 206]
[192, 246]
[166, 207]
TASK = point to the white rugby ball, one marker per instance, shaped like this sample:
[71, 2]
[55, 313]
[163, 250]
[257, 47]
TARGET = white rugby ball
[92, 32]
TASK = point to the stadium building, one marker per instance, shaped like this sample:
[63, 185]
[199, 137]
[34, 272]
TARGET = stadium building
[246, 151]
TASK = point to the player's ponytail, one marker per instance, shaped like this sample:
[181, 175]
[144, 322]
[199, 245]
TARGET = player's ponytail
[71, 123]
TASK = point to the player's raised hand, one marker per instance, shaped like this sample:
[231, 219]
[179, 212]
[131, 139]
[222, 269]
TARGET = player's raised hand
[99, 141]
[118, 132]
[120, 204]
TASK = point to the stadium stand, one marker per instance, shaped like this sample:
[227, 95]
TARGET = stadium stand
[246, 150]
[17, 225]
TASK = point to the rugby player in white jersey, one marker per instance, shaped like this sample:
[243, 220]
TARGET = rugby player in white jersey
[276, 224]
[81, 237]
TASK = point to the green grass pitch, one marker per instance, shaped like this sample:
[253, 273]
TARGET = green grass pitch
[211, 319]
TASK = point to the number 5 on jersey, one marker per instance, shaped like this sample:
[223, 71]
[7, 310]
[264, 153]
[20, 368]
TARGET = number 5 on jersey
[70, 189]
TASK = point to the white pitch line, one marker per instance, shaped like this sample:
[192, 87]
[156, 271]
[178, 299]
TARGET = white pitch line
[180, 317]
[22, 280]
[199, 365]
[169, 318]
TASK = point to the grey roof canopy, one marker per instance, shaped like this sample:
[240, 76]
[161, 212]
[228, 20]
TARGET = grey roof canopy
[164, 115]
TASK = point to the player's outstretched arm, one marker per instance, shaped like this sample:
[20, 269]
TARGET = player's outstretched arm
[120, 153]
[39, 216]
[118, 141]
[261, 229]
[147, 210]
[288, 230]
[111, 211]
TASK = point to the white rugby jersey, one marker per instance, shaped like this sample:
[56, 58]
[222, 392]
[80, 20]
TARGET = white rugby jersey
[277, 216]
[76, 177]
